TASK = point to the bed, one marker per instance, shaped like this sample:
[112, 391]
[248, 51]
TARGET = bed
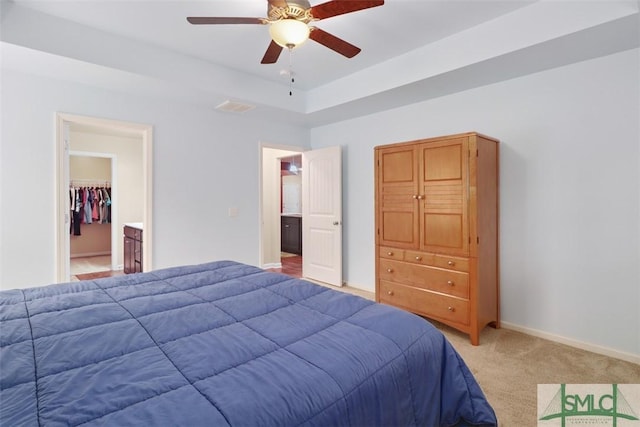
[220, 344]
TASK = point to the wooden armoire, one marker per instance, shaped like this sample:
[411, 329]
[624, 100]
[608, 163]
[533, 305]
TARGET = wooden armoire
[437, 229]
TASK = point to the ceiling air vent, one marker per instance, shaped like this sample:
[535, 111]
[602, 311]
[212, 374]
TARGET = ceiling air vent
[234, 107]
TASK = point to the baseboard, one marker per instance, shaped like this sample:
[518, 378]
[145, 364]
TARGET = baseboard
[89, 254]
[358, 287]
[271, 265]
[361, 292]
[605, 351]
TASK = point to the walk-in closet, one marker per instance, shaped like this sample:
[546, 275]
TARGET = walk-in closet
[90, 202]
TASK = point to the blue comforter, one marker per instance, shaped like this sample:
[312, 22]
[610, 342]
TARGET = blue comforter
[224, 344]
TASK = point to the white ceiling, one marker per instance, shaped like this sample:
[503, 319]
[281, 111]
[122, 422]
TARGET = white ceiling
[382, 32]
[412, 50]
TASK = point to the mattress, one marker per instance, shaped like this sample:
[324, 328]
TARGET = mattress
[220, 344]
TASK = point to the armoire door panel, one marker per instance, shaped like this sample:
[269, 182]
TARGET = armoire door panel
[444, 221]
[397, 189]
[398, 227]
[398, 166]
[443, 231]
[443, 196]
[442, 162]
[399, 197]
[399, 216]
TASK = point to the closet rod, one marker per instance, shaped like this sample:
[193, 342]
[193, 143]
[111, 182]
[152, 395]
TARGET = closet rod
[89, 183]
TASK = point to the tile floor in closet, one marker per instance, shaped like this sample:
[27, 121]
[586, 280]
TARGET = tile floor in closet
[94, 267]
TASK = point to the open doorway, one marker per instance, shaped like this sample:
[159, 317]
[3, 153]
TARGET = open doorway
[93, 215]
[291, 215]
[321, 206]
[281, 213]
[115, 140]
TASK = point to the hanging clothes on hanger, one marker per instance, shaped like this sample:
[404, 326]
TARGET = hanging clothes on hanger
[72, 198]
[77, 216]
[94, 210]
[108, 204]
[100, 205]
[88, 206]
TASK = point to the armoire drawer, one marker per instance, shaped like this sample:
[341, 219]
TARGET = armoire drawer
[424, 302]
[443, 261]
[391, 253]
[435, 279]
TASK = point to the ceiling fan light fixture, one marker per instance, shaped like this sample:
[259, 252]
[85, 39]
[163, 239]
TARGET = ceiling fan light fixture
[289, 33]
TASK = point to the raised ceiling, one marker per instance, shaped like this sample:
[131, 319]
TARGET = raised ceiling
[411, 49]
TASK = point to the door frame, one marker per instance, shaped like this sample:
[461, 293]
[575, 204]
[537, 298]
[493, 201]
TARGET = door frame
[266, 228]
[114, 202]
[263, 228]
[62, 220]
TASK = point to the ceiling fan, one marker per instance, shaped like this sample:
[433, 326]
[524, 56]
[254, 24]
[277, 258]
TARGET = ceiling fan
[289, 21]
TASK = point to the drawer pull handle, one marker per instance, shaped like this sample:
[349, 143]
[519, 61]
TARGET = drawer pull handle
[389, 270]
[420, 197]
[390, 293]
[452, 263]
[389, 253]
[418, 258]
[451, 309]
[415, 196]
[450, 282]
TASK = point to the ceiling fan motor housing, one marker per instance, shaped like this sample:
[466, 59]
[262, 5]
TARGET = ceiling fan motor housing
[295, 9]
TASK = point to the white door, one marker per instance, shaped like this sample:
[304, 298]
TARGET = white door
[322, 215]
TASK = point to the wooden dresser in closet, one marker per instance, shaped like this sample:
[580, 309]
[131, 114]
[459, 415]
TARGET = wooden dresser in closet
[437, 229]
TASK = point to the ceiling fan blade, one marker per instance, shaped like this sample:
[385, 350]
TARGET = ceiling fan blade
[334, 43]
[340, 7]
[272, 54]
[204, 20]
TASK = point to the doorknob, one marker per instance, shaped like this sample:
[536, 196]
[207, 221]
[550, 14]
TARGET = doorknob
[336, 222]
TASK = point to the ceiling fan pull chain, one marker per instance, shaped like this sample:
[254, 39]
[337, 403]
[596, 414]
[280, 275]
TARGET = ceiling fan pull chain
[291, 71]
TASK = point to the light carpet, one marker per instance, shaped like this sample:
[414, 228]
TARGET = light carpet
[509, 365]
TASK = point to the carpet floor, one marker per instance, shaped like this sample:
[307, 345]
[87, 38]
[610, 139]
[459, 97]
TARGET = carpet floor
[509, 365]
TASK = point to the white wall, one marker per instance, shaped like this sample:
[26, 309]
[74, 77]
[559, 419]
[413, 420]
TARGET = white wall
[570, 186]
[197, 153]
